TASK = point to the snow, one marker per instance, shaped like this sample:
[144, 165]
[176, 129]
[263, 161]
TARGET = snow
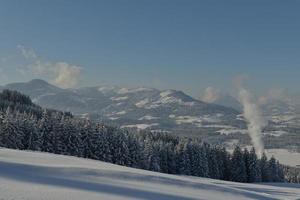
[35, 176]
[142, 103]
[172, 116]
[114, 118]
[282, 118]
[105, 89]
[121, 112]
[188, 120]
[119, 98]
[140, 126]
[285, 156]
[134, 90]
[148, 117]
[169, 99]
[196, 120]
[165, 98]
[227, 131]
[276, 133]
[240, 117]
[166, 93]
[152, 106]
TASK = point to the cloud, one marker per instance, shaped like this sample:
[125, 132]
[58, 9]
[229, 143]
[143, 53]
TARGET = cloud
[66, 75]
[210, 95]
[27, 53]
[61, 74]
[274, 94]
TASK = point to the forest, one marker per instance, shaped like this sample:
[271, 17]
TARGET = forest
[26, 126]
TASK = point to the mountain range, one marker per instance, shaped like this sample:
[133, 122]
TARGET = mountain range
[160, 110]
[131, 107]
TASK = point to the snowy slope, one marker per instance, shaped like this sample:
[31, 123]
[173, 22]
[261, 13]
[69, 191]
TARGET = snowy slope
[29, 175]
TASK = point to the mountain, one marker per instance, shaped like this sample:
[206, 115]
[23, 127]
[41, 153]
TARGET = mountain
[35, 176]
[282, 112]
[168, 111]
[34, 88]
[229, 101]
[142, 108]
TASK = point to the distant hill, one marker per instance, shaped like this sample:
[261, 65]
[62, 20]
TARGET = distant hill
[143, 108]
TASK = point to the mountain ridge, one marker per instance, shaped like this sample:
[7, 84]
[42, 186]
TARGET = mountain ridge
[153, 108]
[163, 111]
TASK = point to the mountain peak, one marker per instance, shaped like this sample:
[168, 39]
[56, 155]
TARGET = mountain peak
[34, 87]
[38, 81]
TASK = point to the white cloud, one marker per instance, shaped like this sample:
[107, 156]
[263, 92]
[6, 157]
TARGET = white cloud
[274, 94]
[66, 75]
[27, 53]
[61, 74]
[210, 95]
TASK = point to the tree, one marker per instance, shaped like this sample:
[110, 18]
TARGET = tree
[265, 173]
[275, 170]
[253, 169]
[238, 167]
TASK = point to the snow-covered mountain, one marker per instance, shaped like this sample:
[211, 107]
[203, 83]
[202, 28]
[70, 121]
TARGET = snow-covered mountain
[281, 113]
[133, 107]
[169, 111]
[35, 176]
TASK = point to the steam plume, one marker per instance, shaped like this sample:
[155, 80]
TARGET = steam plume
[254, 119]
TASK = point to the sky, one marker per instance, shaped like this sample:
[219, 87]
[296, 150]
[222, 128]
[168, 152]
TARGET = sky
[168, 44]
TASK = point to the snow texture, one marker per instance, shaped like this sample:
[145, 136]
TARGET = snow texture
[35, 176]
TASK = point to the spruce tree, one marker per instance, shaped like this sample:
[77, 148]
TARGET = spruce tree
[238, 167]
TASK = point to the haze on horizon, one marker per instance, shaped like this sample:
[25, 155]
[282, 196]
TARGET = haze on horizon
[194, 47]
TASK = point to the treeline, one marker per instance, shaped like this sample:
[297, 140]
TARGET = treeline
[25, 126]
[60, 134]
[22, 103]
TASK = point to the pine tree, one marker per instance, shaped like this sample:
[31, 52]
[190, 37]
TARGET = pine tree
[238, 168]
[265, 173]
[273, 170]
[183, 158]
[253, 171]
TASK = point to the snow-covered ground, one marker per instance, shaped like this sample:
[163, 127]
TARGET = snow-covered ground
[285, 156]
[140, 126]
[36, 176]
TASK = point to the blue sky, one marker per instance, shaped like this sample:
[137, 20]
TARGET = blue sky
[187, 45]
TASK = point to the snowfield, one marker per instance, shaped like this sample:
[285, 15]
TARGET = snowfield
[41, 176]
[285, 156]
[140, 126]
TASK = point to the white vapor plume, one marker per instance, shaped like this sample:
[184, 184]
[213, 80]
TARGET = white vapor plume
[61, 74]
[66, 75]
[253, 116]
[210, 95]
